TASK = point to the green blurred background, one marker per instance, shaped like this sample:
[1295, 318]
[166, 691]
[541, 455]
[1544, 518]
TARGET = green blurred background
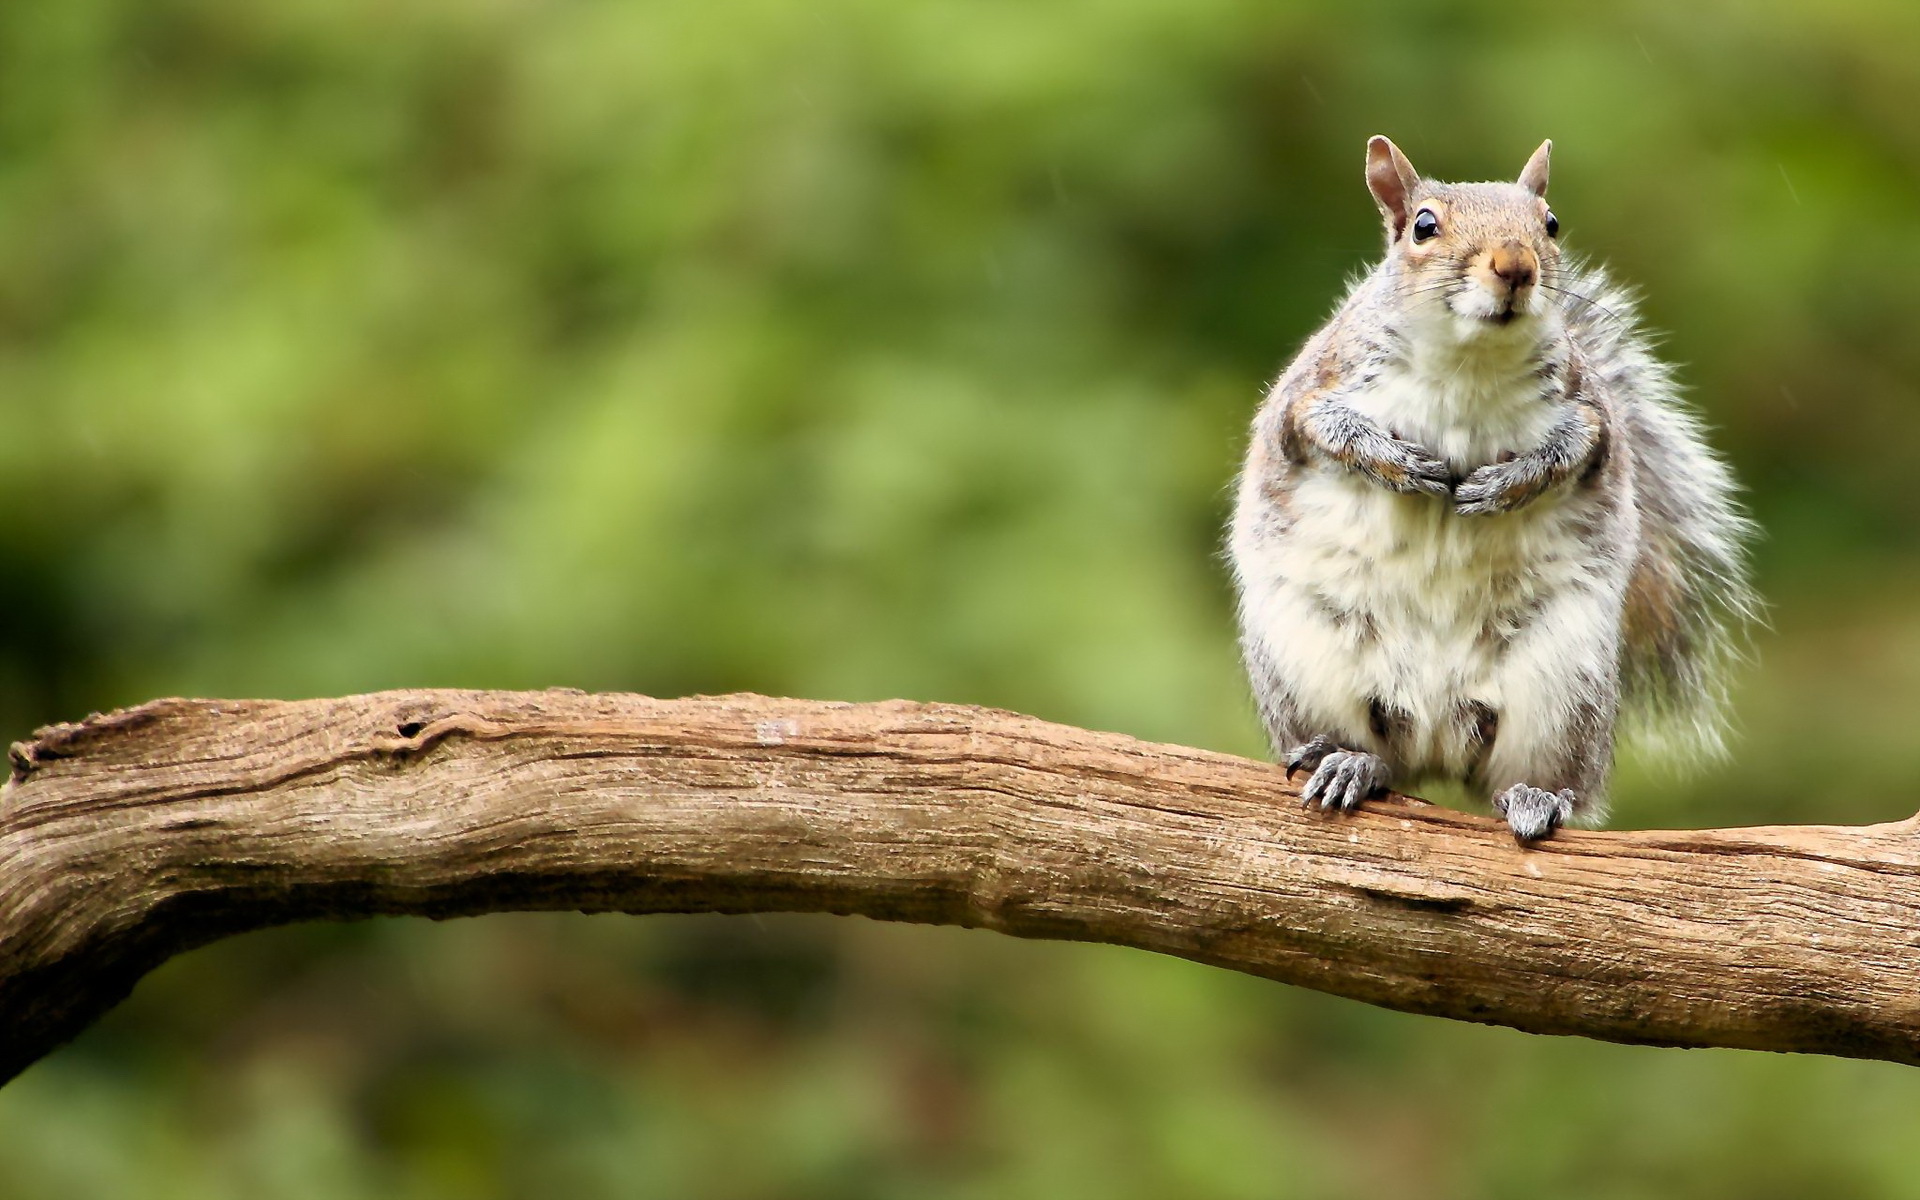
[857, 349]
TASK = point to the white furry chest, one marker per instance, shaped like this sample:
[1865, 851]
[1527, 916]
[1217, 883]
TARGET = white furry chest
[1466, 410]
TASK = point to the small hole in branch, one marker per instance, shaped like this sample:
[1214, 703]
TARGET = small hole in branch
[411, 728]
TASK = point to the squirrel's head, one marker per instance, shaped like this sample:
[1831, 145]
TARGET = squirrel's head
[1475, 256]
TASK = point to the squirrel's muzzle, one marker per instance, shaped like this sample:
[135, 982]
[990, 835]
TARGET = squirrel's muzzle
[1515, 265]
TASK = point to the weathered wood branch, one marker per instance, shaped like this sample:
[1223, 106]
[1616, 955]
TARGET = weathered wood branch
[131, 837]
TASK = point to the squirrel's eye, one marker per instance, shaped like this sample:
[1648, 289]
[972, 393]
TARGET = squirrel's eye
[1553, 224]
[1425, 225]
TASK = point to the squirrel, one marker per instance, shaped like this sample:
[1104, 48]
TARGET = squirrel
[1476, 524]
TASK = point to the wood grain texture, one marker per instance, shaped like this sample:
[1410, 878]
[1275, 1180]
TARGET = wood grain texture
[130, 837]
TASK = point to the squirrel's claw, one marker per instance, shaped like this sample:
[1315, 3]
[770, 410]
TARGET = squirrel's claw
[1533, 813]
[1345, 778]
[1309, 754]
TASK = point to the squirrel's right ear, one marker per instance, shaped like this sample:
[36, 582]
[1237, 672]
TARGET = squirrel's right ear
[1391, 179]
[1533, 176]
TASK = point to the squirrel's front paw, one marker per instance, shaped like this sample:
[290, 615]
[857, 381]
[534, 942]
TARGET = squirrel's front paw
[1533, 813]
[1393, 462]
[1344, 778]
[1407, 467]
[1497, 488]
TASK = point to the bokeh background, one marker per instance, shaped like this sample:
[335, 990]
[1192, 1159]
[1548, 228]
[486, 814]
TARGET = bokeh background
[869, 348]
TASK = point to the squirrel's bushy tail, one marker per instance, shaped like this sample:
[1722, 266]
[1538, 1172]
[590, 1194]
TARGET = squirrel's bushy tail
[1689, 602]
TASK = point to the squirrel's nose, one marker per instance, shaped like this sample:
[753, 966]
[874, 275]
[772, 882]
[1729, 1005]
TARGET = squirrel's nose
[1515, 264]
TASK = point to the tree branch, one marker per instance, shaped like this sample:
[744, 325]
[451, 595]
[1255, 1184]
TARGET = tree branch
[131, 837]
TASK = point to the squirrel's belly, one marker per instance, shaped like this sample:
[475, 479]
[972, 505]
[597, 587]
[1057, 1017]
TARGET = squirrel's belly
[1389, 616]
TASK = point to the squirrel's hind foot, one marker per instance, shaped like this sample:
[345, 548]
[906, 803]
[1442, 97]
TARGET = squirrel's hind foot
[1344, 778]
[1533, 813]
[1308, 755]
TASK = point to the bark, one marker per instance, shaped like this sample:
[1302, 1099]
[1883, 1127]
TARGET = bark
[133, 836]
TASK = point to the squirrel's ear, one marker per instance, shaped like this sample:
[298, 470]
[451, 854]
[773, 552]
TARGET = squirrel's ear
[1391, 179]
[1533, 176]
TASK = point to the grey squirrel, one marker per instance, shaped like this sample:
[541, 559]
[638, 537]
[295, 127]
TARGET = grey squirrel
[1476, 525]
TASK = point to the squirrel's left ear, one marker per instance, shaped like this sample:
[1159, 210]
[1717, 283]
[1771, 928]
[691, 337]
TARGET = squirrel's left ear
[1533, 176]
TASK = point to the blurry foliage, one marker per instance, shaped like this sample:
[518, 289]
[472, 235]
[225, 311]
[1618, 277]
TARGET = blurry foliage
[856, 349]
